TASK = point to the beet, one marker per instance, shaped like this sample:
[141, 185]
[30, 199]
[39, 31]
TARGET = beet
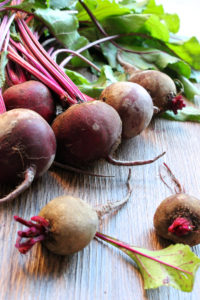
[27, 148]
[133, 103]
[89, 131]
[177, 218]
[161, 88]
[159, 85]
[32, 95]
[73, 224]
[66, 224]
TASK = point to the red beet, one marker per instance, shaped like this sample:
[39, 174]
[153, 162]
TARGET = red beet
[87, 132]
[133, 103]
[27, 148]
[32, 95]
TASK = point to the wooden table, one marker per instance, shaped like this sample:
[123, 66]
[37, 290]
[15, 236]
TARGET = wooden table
[100, 271]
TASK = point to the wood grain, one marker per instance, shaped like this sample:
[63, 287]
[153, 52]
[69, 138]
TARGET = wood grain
[99, 271]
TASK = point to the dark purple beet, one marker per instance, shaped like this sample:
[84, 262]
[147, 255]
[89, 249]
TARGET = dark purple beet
[27, 147]
[89, 131]
[32, 95]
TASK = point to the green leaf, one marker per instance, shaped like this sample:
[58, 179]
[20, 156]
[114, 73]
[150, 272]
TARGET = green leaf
[173, 266]
[188, 113]
[95, 88]
[101, 9]
[60, 4]
[189, 51]
[63, 26]
[141, 23]
[190, 90]
[156, 59]
[3, 62]
[172, 21]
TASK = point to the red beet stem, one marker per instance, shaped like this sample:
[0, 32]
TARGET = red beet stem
[48, 62]
[134, 250]
[2, 104]
[133, 163]
[75, 53]
[28, 179]
[181, 226]
[35, 233]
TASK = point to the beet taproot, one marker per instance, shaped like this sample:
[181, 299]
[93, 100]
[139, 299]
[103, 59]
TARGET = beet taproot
[32, 95]
[27, 148]
[133, 103]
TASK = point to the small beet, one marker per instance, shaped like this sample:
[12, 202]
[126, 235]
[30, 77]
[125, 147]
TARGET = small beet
[133, 103]
[159, 85]
[27, 148]
[66, 224]
[32, 95]
[177, 218]
[73, 224]
[161, 88]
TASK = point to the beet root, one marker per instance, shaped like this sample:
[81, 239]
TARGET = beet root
[87, 132]
[177, 219]
[73, 224]
[27, 148]
[133, 103]
[65, 225]
[32, 95]
[161, 88]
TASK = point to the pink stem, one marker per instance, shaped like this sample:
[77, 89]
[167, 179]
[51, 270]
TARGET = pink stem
[2, 104]
[46, 59]
[5, 29]
[55, 87]
[133, 250]
[74, 53]
[33, 61]
[36, 232]
[4, 2]
[103, 40]
[181, 226]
